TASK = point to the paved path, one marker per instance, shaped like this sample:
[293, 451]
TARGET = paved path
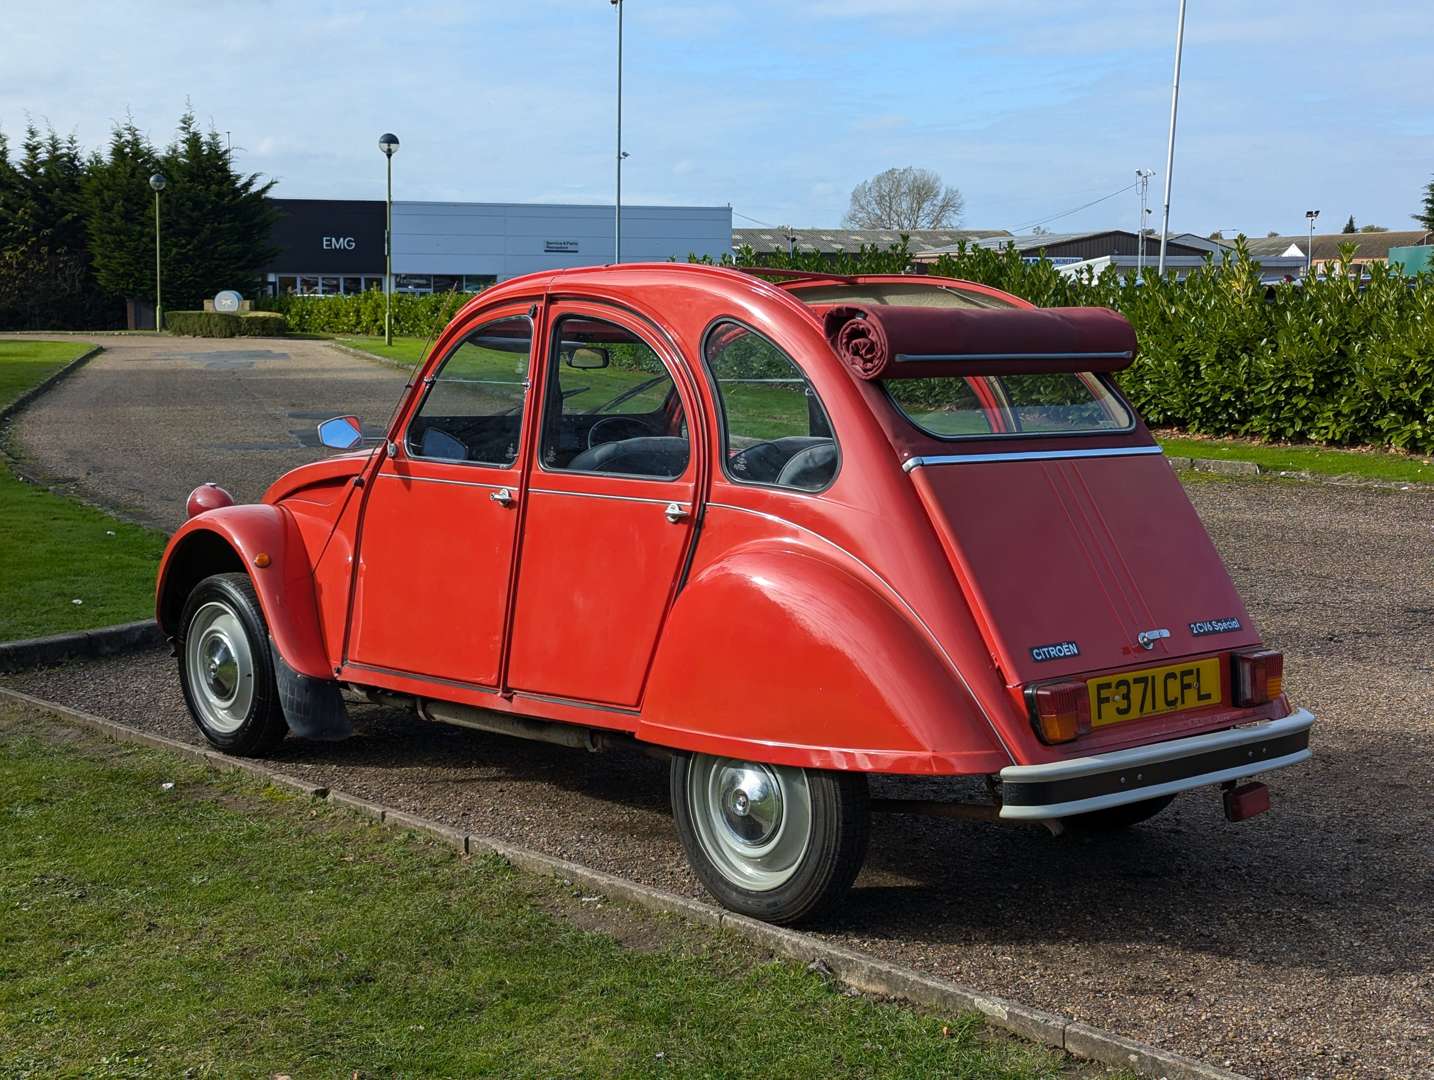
[150, 418]
[1297, 944]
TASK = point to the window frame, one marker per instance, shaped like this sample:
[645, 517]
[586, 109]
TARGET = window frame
[552, 382]
[720, 403]
[431, 380]
[1009, 436]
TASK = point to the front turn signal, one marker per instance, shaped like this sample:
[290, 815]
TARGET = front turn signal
[1060, 711]
[1259, 676]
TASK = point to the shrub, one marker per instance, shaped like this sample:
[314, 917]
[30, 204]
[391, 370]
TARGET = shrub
[361, 314]
[1335, 359]
[219, 324]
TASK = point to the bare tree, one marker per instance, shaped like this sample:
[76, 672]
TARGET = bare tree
[908, 198]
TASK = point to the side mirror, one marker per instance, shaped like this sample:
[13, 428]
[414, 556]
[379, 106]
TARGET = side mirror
[586, 357]
[341, 433]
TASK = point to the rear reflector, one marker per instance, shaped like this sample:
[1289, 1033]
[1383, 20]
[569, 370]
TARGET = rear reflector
[1259, 676]
[1246, 801]
[1060, 711]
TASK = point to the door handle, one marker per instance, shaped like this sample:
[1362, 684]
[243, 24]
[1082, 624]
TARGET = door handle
[675, 512]
[503, 497]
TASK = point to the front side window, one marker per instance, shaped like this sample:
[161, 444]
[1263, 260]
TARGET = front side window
[1055, 403]
[612, 406]
[474, 408]
[775, 429]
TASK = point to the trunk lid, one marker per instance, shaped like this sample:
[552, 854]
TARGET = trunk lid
[1067, 560]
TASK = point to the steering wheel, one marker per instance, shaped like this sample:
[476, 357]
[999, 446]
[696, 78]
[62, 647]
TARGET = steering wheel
[736, 463]
[635, 429]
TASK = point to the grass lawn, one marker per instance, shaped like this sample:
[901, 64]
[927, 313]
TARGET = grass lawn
[25, 363]
[765, 414]
[405, 351]
[215, 929]
[1370, 464]
[54, 551]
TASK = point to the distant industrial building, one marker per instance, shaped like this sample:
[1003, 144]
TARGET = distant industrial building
[329, 246]
[1076, 254]
[836, 242]
[1369, 247]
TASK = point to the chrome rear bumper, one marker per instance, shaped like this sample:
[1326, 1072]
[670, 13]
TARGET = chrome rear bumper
[1060, 789]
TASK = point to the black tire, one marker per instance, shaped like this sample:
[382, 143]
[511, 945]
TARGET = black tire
[1116, 818]
[224, 611]
[835, 848]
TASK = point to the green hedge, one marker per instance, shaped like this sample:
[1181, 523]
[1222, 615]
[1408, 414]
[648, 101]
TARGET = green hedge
[362, 313]
[223, 324]
[1332, 360]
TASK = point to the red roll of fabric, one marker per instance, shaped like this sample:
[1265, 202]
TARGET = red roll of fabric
[922, 342]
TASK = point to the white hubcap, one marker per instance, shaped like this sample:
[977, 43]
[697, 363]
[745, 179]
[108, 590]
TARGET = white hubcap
[753, 821]
[220, 667]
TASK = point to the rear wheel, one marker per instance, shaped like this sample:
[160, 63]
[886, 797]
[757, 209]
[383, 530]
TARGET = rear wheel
[1116, 818]
[226, 669]
[775, 842]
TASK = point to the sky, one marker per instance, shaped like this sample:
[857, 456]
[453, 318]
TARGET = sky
[776, 108]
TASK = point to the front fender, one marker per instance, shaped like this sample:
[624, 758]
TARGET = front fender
[775, 654]
[232, 538]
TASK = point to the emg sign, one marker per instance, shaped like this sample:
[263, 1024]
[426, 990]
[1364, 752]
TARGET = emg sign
[339, 243]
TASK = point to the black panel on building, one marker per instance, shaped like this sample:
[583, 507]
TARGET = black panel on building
[327, 245]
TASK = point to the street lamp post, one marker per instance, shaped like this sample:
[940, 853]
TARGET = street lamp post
[1170, 145]
[388, 143]
[1310, 216]
[157, 182]
[617, 201]
[1143, 178]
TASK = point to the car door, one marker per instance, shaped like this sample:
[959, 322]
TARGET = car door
[440, 524]
[609, 510]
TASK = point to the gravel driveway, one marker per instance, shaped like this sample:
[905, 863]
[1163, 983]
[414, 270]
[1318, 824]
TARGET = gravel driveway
[1298, 944]
[150, 418]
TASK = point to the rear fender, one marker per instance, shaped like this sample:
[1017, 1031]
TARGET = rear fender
[230, 539]
[776, 654]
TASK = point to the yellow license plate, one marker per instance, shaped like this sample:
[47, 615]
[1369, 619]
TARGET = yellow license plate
[1154, 691]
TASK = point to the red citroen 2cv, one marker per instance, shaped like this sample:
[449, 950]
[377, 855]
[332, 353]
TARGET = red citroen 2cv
[789, 529]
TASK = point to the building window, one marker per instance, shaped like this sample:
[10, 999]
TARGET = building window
[478, 282]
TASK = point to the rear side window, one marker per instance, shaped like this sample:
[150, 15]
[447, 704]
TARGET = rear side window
[1057, 403]
[775, 429]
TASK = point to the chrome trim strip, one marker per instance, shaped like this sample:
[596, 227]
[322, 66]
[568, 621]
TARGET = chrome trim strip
[1028, 455]
[595, 495]
[576, 704]
[1171, 750]
[938, 358]
[438, 480]
[1154, 791]
[458, 683]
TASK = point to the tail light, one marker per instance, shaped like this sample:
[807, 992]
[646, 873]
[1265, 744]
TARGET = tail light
[1060, 711]
[1259, 676]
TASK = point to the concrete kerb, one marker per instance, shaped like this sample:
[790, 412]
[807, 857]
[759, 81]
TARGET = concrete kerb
[35, 391]
[858, 970]
[364, 354]
[101, 641]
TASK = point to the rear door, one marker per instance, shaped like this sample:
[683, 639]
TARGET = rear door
[610, 508]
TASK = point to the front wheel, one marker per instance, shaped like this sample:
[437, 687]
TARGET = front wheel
[226, 669]
[779, 843]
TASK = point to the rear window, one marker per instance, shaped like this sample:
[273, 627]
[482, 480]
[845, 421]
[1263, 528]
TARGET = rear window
[1059, 403]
